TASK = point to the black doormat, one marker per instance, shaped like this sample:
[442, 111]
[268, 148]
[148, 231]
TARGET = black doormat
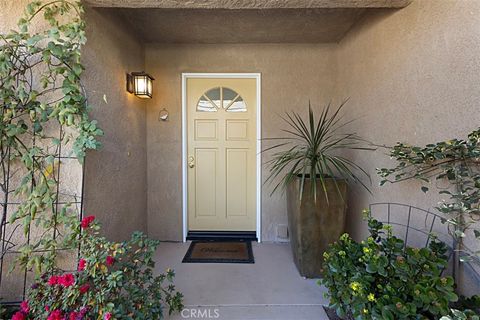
[219, 252]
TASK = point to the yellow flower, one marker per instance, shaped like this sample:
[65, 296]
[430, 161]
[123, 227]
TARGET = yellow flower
[366, 250]
[344, 237]
[365, 213]
[365, 311]
[371, 297]
[355, 286]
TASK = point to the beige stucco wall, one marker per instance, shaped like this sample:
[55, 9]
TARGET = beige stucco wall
[115, 176]
[291, 75]
[115, 180]
[412, 76]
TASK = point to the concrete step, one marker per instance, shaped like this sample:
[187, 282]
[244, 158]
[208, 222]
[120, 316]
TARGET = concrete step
[253, 312]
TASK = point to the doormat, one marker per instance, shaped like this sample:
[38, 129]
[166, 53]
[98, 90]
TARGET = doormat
[219, 252]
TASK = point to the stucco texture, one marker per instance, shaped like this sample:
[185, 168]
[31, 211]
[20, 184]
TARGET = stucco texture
[70, 176]
[412, 76]
[115, 175]
[248, 4]
[291, 75]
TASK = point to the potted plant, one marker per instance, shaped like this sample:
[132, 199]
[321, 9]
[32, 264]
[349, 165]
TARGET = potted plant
[310, 167]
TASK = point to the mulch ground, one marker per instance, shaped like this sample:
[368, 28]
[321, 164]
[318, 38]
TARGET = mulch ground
[332, 315]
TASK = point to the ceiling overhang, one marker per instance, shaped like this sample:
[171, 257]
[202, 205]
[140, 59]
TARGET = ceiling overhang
[242, 21]
[248, 4]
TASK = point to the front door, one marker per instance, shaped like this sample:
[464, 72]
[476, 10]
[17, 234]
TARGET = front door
[221, 154]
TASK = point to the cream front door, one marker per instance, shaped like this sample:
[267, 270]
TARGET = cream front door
[221, 154]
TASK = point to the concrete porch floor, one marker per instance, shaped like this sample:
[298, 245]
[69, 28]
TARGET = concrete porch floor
[271, 288]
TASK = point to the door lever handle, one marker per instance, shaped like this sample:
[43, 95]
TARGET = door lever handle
[191, 162]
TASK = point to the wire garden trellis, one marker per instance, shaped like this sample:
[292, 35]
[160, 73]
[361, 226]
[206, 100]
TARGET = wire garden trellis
[45, 132]
[417, 227]
[68, 174]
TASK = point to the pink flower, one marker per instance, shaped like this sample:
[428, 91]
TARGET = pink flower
[53, 280]
[67, 280]
[19, 315]
[110, 260]
[83, 289]
[24, 306]
[81, 264]
[107, 316]
[47, 308]
[87, 221]
[56, 315]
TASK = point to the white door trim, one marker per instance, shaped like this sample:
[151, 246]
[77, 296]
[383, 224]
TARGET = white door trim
[256, 76]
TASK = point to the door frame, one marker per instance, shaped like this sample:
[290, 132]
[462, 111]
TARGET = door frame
[257, 77]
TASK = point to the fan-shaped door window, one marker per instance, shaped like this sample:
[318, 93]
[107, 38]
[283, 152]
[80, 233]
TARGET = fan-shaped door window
[221, 97]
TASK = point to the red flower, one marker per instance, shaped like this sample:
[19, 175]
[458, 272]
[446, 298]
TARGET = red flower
[110, 260]
[81, 264]
[53, 280]
[83, 289]
[107, 316]
[67, 280]
[87, 221]
[55, 315]
[19, 315]
[24, 307]
[74, 315]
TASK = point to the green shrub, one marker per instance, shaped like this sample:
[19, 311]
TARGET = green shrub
[467, 308]
[461, 315]
[381, 279]
[113, 281]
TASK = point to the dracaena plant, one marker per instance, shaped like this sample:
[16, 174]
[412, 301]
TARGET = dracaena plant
[312, 149]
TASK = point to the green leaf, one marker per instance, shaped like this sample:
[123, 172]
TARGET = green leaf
[371, 268]
[387, 314]
[477, 233]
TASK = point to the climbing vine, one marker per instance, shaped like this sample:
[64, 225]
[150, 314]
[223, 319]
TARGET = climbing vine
[44, 107]
[457, 162]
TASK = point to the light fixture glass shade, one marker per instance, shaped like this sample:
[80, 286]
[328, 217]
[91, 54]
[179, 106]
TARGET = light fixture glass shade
[140, 84]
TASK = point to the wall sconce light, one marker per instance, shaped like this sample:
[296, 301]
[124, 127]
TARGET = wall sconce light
[140, 84]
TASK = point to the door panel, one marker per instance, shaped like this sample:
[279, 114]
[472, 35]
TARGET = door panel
[237, 130]
[206, 130]
[237, 182]
[221, 146]
[206, 175]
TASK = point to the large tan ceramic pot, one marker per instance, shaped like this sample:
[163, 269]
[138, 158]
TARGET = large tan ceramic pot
[314, 225]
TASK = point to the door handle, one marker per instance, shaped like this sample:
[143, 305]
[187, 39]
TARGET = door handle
[191, 162]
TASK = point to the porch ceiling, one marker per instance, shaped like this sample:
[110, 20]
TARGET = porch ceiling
[239, 25]
[242, 21]
[248, 4]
